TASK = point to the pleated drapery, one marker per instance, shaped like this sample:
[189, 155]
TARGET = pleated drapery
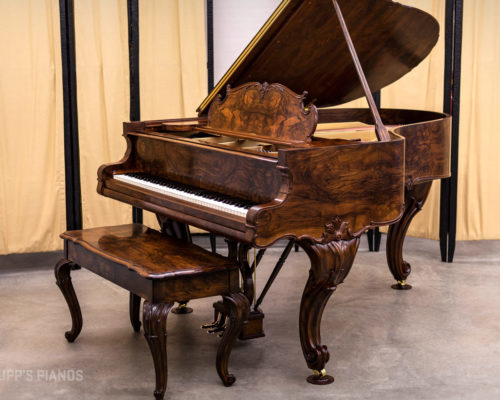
[101, 37]
[422, 89]
[32, 204]
[173, 83]
[479, 161]
[173, 58]
[173, 78]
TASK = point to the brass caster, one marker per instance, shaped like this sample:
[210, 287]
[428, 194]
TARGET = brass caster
[182, 309]
[320, 378]
[401, 285]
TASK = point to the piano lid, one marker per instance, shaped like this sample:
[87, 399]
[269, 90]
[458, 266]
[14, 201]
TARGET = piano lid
[302, 47]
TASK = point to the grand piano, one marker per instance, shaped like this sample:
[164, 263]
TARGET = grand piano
[267, 161]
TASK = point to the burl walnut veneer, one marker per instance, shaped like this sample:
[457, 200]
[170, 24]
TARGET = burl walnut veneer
[255, 141]
[161, 270]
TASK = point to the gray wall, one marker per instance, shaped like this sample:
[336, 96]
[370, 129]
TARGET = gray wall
[235, 24]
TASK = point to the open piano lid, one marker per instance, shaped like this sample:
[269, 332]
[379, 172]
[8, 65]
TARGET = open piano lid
[302, 47]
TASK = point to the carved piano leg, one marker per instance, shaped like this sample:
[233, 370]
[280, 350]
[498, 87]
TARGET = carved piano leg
[63, 280]
[237, 307]
[154, 318]
[330, 264]
[134, 310]
[414, 200]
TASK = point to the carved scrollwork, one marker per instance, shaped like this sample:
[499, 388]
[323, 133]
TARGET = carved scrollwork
[266, 110]
[336, 230]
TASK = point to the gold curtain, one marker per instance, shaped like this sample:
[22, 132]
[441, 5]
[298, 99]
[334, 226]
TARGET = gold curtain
[478, 214]
[173, 80]
[173, 57]
[103, 100]
[32, 205]
[422, 89]
[173, 60]
[479, 162]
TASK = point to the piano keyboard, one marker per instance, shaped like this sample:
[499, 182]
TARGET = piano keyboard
[190, 194]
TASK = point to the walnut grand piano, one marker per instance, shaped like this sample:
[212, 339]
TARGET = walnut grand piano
[261, 162]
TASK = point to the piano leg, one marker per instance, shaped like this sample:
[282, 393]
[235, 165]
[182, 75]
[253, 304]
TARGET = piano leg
[330, 264]
[414, 200]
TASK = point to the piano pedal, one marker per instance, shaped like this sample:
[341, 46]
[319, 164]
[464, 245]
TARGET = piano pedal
[217, 321]
[217, 330]
[210, 326]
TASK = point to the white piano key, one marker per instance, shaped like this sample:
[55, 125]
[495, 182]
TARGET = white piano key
[179, 194]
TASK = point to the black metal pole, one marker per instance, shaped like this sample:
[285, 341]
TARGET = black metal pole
[210, 71]
[210, 44]
[451, 105]
[275, 272]
[71, 143]
[457, 67]
[133, 57]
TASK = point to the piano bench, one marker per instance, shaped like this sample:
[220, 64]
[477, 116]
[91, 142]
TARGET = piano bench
[161, 270]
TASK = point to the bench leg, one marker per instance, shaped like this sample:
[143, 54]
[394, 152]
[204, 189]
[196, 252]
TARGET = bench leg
[238, 308]
[63, 280]
[154, 318]
[134, 310]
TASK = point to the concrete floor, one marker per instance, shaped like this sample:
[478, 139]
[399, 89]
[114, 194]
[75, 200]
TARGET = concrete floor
[440, 340]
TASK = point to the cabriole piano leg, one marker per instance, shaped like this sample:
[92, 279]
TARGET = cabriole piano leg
[414, 200]
[330, 264]
[63, 280]
[154, 318]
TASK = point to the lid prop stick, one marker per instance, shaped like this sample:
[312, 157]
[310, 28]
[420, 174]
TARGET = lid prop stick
[380, 129]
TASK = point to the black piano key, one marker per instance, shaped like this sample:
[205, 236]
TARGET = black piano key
[192, 190]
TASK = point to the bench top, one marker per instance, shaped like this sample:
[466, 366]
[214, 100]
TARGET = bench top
[148, 252]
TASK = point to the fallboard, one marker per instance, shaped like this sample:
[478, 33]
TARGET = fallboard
[231, 173]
